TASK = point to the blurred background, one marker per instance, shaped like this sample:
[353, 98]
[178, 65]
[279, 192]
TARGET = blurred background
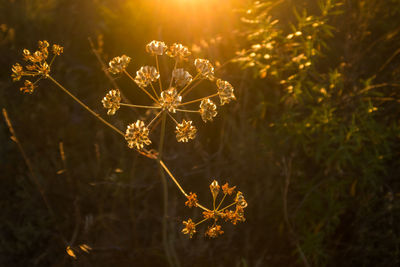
[312, 140]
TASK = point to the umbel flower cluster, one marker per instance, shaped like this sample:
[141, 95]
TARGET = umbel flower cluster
[217, 212]
[167, 99]
[167, 96]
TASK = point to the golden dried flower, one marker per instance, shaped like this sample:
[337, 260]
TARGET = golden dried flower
[156, 48]
[178, 51]
[181, 77]
[240, 201]
[214, 188]
[111, 101]
[28, 87]
[170, 99]
[228, 190]
[190, 228]
[43, 69]
[137, 135]
[57, 49]
[43, 45]
[185, 131]
[214, 231]
[26, 54]
[208, 110]
[145, 75]
[225, 91]
[118, 64]
[192, 200]
[204, 67]
[209, 214]
[17, 72]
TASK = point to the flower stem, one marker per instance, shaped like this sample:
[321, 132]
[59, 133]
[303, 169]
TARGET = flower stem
[138, 106]
[85, 106]
[144, 90]
[187, 85]
[197, 100]
[158, 69]
[230, 205]
[222, 200]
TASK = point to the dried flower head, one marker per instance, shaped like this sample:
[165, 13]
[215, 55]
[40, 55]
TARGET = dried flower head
[119, 64]
[228, 190]
[225, 91]
[17, 72]
[190, 228]
[205, 68]
[111, 101]
[181, 77]
[137, 135]
[145, 75]
[240, 201]
[192, 200]
[208, 110]
[57, 50]
[214, 231]
[214, 188]
[28, 87]
[185, 131]
[156, 48]
[178, 51]
[170, 99]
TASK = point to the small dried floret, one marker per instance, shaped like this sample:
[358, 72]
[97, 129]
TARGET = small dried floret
[170, 99]
[145, 75]
[17, 72]
[43, 69]
[234, 216]
[209, 214]
[228, 190]
[204, 67]
[137, 135]
[119, 64]
[185, 131]
[240, 201]
[179, 51]
[208, 110]
[26, 54]
[225, 91]
[28, 87]
[111, 101]
[192, 200]
[43, 45]
[190, 228]
[214, 231]
[214, 188]
[181, 77]
[156, 48]
[57, 49]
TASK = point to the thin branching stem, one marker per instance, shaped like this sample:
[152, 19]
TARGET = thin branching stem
[172, 78]
[201, 221]
[194, 86]
[197, 100]
[172, 118]
[85, 106]
[222, 200]
[187, 85]
[230, 205]
[158, 69]
[187, 110]
[141, 88]
[154, 119]
[154, 90]
[139, 106]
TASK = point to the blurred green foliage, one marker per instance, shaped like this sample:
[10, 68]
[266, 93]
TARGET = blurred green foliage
[317, 117]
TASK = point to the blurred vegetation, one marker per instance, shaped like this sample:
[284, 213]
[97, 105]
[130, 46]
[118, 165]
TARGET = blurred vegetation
[313, 140]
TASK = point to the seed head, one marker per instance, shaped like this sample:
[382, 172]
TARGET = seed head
[181, 77]
[192, 200]
[185, 131]
[208, 110]
[28, 87]
[178, 51]
[190, 228]
[145, 75]
[170, 99]
[111, 101]
[204, 67]
[119, 64]
[214, 231]
[225, 91]
[57, 49]
[240, 201]
[214, 188]
[137, 135]
[17, 72]
[228, 190]
[156, 48]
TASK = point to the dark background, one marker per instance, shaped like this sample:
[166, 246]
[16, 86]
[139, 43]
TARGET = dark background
[329, 160]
